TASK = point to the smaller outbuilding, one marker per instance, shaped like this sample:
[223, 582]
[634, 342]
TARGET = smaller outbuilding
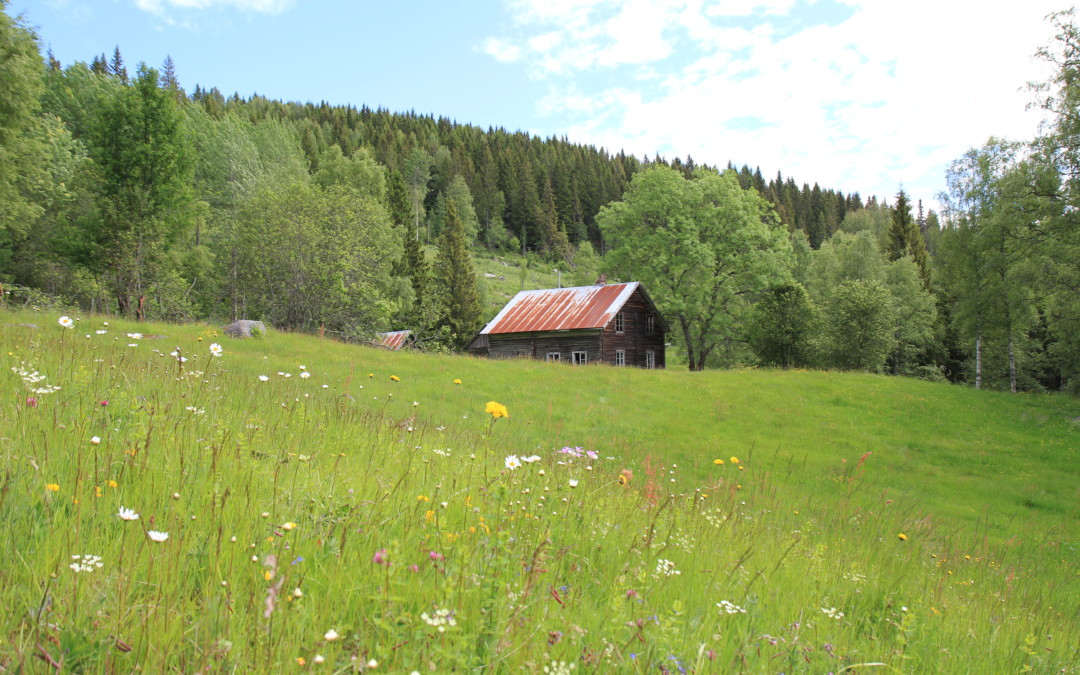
[395, 340]
[617, 324]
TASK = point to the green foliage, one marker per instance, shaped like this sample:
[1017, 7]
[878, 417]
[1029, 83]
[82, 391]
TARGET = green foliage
[703, 248]
[905, 238]
[782, 326]
[860, 326]
[310, 259]
[360, 172]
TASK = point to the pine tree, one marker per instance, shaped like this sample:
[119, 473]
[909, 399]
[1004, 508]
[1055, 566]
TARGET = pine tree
[116, 66]
[169, 80]
[457, 279]
[905, 237]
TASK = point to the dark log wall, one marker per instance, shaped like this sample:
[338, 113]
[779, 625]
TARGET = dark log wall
[537, 345]
[634, 339]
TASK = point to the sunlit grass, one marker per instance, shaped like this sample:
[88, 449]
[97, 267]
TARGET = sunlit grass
[338, 521]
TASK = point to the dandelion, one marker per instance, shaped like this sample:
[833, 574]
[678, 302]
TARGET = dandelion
[718, 461]
[156, 536]
[113, 484]
[496, 410]
[66, 322]
[512, 462]
[458, 381]
[395, 378]
[94, 440]
[734, 460]
[215, 349]
[902, 536]
[331, 635]
[264, 378]
[52, 487]
[127, 514]
[371, 375]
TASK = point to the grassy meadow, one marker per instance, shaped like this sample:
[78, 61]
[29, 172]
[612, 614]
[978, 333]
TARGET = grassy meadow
[308, 505]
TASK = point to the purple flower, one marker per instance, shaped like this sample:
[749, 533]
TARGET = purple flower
[381, 557]
[592, 454]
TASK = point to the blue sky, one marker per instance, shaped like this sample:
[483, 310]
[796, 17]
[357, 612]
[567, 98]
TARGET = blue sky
[858, 95]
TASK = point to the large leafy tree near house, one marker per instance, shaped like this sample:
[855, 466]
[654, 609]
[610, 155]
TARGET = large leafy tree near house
[705, 248]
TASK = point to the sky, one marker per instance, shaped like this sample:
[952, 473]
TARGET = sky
[857, 95]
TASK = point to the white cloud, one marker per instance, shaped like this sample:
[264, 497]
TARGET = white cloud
[159, 7]
[888, 96]
[501, 51]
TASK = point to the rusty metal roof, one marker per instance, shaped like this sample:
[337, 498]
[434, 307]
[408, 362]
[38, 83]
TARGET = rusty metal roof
[577, 308]
[393, 340]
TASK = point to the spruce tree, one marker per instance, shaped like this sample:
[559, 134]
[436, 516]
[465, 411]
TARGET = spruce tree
[457, 279]
[905, 237]
[116, 66]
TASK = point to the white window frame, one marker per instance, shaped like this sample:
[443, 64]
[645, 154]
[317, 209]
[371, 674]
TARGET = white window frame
[620, 357]
[650, 359]
[579, 358]
[620, 323]
[554, 357]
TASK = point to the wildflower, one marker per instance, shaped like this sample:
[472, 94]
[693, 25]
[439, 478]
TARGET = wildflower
[103, 403]
[264, 378]
[319, 658]
[496, 410]
[512, 462]
[304, 375]
[730, 607]
[718, 461]
[372, 663]
[127, 514]
[422, 498]
[665, 568]
[381, 557]
[300, 661]
[66, 322]
[440, 619]
[429, 515]
[902, 536]
[573, 482]
[531, 458]
[832, 613]
[734, 460]
[435, 556]
[297, 593]
[415, 403]
[591, 454]
[94, 440]
[331, 635]
[135, 336]
[288, 526]
[156, 536]
[31, 402]
[113, 484]
[86, 563]
[371, 375]
[100, 332]
[52, 487]
[395, 378]
[215, 349]
[457, 381]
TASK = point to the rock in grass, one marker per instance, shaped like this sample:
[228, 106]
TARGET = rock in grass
[245, 328]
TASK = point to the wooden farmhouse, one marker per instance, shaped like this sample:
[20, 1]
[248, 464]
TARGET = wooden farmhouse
[616, 324]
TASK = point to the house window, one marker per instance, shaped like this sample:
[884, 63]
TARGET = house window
[620, 357]
[554, 357]
[581, 358]
[650, 324]
[650, 359]
[620, 323]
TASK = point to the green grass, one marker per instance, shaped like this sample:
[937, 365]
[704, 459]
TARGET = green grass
[984, 486]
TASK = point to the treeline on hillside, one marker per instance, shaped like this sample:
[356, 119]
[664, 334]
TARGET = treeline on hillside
[123, 193]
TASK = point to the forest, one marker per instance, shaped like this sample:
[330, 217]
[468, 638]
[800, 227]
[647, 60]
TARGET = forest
[122, 192]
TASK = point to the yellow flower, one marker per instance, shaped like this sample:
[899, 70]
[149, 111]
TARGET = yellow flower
[429, 515]
[902, 536]
[113, 484]
[199, 339]
[734, 460]
[268, 575]
[97, 490]
[718, 461]
[52, 487]
[422, 498]
[496, 410]
[371, 374]
[288, 526]
[395, 378]
[457, 381]
[300, 661]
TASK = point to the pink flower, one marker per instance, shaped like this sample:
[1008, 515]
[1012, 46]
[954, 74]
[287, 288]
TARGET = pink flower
[435, 556]
[414, 568]
[381, 557]
[104, 403]
[31, 402]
